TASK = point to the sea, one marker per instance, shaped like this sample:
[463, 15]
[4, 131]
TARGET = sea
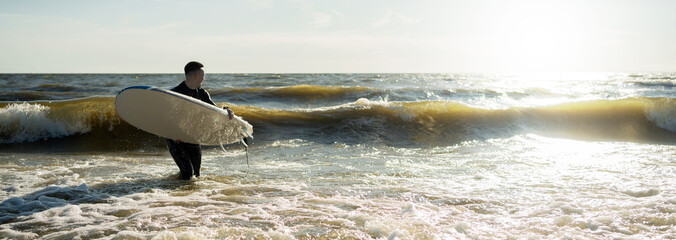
[349, 156]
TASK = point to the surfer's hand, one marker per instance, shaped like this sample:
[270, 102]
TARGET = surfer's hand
[231, 115]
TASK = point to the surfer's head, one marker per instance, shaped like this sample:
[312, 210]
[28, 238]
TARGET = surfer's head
[194, 74]
[191, 67]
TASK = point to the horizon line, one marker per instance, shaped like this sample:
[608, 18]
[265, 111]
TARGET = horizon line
[457, 72]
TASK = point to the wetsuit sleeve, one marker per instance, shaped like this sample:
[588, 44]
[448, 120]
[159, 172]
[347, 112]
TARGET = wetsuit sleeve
[207, 98]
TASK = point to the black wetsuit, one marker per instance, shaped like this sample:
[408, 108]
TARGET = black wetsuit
[188, 156]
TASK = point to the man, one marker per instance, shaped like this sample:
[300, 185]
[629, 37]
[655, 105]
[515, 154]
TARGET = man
[188, 156]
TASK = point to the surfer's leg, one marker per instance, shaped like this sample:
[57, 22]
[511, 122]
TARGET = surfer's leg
[178, 153]
[195, 155]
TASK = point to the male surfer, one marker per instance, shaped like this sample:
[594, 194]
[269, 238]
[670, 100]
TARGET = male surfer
[188, 156]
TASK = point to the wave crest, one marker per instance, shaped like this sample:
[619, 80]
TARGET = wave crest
[30, 122]
[26, 122]
[92, 123]
[662, 111]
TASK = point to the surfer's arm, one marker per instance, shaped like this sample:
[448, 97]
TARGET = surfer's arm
[207, 98]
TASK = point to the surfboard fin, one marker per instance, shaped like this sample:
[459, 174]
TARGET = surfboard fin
[247, 134]
[244, 142]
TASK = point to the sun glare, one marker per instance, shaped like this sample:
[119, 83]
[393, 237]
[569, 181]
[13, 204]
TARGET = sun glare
[567, 151]
[536, 36]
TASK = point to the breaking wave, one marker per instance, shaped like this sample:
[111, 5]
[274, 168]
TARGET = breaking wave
[91, 124]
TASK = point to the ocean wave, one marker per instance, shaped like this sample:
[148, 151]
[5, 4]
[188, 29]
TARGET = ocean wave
[662, 111]
[30, 95]
[659, 84]
[309, 92]
[634, 119]
[444, 122]
[319, 95]
[29, 122]
[87, 124]
[90, 124]
[56, 87]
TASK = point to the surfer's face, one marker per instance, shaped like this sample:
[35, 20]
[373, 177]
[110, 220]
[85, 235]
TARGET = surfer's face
[195, 79]
[199, 75]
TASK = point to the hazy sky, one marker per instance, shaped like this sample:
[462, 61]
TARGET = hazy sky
[145, 36]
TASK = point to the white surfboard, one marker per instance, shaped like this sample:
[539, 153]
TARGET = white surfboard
[175, 116]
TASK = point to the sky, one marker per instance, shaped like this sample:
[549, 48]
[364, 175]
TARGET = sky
[332, 36]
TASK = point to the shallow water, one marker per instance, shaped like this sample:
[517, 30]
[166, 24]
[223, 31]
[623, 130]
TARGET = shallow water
[359, 161]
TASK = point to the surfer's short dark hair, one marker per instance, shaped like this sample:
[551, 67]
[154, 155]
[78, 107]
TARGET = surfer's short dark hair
[192, 66]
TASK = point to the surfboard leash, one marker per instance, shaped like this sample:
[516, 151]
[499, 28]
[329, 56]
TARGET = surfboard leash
[246, 149]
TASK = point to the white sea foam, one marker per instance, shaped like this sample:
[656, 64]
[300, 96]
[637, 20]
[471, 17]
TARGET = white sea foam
[663, 113]
[12, 234]
[642, 192]
[25, 122]
[311, 190]
[463, 227]
[400, 111]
